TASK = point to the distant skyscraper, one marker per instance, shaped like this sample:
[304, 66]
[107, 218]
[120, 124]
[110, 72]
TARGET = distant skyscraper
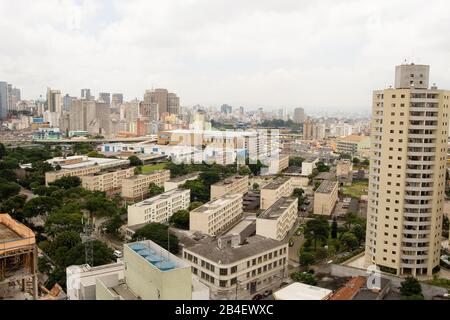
[105, 97]
[299, 115]
[307, 129]
[226, 109]
[91, 116]
[173, 103]
[168, 103]
[117, 99]
[149, 109]
[3, 100]
[86, 94]
[407, 174]
[54, 100]
[67, 102]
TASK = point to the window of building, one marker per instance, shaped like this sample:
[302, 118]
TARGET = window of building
[223, 283]
[223, 271]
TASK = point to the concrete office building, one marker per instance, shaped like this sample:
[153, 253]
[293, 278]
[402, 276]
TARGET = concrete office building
[105, 97]
[178, 181]
[270, 193]
[352, 144]
[159, 208]
[136, 187]
[325, 197]
[299, 115]
[117, 99]
[216, 216]
[234, 270]
[86, 94]
[278, 220]
[110, 182]
[407, 173]
[235, 184]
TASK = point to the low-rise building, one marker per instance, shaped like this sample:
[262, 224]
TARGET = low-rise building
[216, 216]
[235, 184]
[136, 187]
[301, 291]
[278, 220]
[275, 164]
[178, 181]
[52, 176]
[325, 197]
[106, 181]
[159, 208]
[270, 193]
[352, 144]
[344, 167]
[308, 165]
[234, 270]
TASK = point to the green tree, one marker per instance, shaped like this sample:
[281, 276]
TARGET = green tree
[306, 258]
[321, 167]
[356, 161]
[299, 193]
[244, 171]
[304, 277]
[209, 177]
[2, 150]
[411, 287]
[296, 161]
[255, 168]
[194, 205]
[334, 229]
[137, 170]
[159, 234]
[8, 190]
[359, 232]
[67, 182]
[135, 161]
[349, 240]
[180, 219]
[113, 225]
[255, 186]
[95, 154]
[40, 206]
[199, 191]
[365, 163]
[14, 206]
[154, 190]
[317, 229]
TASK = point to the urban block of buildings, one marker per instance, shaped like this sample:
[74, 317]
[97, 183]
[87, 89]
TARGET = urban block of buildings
[215, 217]
[279, 187]
[325, 197]
[159, 208]
[234, 184]
[279, 219]
[137, 187]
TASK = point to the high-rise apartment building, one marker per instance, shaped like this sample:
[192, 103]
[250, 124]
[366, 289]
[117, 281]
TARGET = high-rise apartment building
[299, 115]
[117, 99]
[54, 101]
[86, 94]
[407, 173]
[105, 97]
[3, 100]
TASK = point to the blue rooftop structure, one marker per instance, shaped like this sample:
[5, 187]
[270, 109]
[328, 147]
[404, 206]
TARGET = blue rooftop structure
[159, 260]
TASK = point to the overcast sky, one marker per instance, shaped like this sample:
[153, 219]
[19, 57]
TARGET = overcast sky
[280, 53]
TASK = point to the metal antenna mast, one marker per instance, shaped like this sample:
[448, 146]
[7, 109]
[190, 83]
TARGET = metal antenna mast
[87, 239]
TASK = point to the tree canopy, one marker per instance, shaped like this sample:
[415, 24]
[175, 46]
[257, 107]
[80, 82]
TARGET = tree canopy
[159, 234]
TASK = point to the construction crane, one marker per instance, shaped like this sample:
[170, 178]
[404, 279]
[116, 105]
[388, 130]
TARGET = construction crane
[87, 239]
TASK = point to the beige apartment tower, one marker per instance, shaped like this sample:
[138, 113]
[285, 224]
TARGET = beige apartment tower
[407, 174]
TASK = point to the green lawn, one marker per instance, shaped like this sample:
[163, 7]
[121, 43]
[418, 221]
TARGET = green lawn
[356, 190]
[153, 167]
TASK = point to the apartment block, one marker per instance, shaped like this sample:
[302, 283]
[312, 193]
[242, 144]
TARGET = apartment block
[308, 165]
[407, 174]
[343, 167]
[325, 197]
[178, 181]
[106, 181]
[270, 193]
[159, 208]
[216, 216]
[352, 144]
[52, 176]
[278, 220]
[238, 271]
[136, 187]
[235, 184]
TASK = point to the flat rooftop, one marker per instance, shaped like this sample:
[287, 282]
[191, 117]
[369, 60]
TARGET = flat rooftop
[255, 245]
[301, 291]
[229, 180]
[310, 159]
[275, 184]
[193, 175]
[85, 162]
[217, 203]
[160, 197]
[7, 234]
[277, 209]
[142, 175]
[242, 225]
[326, 186]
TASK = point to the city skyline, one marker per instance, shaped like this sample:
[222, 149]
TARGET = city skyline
[341, 47]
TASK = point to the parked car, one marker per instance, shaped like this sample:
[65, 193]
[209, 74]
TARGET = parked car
[267, 293]
[118, 254]
[257, 297]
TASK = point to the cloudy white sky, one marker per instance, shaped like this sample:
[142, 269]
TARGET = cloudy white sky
[280, 53]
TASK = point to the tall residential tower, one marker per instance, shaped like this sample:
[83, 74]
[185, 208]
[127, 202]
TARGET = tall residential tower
[407, 173]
